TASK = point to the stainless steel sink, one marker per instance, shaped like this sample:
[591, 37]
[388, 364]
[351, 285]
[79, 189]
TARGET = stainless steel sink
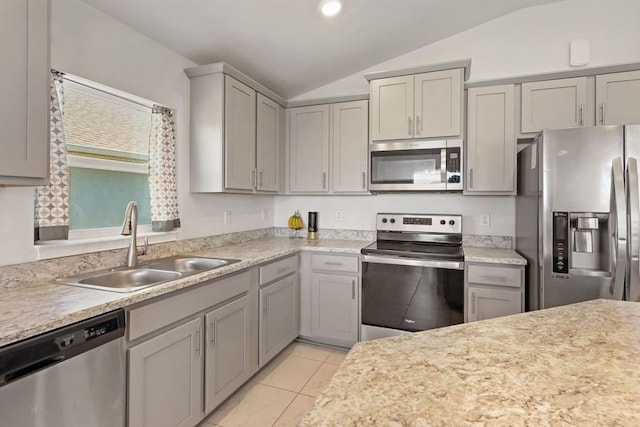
[131, 279]
[128, 280]
[189, 265]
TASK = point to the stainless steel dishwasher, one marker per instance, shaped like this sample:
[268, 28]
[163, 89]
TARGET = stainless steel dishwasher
[72, 376]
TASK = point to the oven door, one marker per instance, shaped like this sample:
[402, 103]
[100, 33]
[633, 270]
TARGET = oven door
[408, 295]
[416, 166]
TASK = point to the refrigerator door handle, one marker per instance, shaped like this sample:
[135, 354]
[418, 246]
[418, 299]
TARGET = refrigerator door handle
[620, 229]
[633, 201]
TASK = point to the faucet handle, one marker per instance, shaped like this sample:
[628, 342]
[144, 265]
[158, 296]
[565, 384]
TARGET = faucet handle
[143, 249]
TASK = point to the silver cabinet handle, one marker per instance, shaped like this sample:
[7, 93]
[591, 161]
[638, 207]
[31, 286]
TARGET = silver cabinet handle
[267, 302]
[602, 113]
[493, 277]
[353, 289]
[418, 127]
[324, 180]
[410, 132]
[253, 178]
[581, 119]
[471, 178]
[214, 332]
[260, 179]
[198, 332]
[364, 180]
[265, 299]
[282, 270]
[473, 303]
[333, 263]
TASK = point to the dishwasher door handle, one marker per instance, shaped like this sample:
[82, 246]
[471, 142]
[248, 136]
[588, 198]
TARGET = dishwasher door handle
[31, 368]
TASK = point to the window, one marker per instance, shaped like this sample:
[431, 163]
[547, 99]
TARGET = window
[108, 144]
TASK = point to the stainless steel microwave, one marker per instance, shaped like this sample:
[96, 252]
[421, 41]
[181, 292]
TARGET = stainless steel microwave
[416, 166]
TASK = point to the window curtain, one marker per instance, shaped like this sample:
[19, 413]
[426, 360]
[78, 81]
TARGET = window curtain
[163, 189]
[52, 200]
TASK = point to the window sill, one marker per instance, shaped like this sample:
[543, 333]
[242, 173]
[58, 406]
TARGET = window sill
[62, 248]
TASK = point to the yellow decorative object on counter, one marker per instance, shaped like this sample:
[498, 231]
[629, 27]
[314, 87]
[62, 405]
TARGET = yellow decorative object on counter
[295, 222]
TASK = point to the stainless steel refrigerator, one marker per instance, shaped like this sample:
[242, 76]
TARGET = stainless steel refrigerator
[577, 215]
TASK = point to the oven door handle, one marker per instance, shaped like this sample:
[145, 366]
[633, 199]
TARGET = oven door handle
[413, 262]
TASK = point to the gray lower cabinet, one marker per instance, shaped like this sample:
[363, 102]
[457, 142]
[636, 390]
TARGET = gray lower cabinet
[165, 378]
[278, 317]
[228, 343]
[330, 298]
[493, 290]
[334, 309]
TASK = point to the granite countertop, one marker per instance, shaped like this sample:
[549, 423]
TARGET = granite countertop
[31, 309]
[493, 255]
[570, 365]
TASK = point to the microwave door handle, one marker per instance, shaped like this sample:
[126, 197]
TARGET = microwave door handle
[620, 229]
[633, 201]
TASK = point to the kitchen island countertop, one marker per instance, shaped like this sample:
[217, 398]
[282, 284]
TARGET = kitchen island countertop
[570, 365]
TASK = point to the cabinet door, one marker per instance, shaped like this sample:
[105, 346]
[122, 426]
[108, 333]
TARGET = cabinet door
[487, 303]
[554, 104]
[438, 104]
[24, 115]
[392, 108]
[618, 98]
[491, 141]
[278, 317]
[165, 379]
[267, 143]
[349, 146]
[227, 351]
[240, 135]
[309, 149]
[334, 307]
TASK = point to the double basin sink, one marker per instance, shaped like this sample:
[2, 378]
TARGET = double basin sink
[152, 273]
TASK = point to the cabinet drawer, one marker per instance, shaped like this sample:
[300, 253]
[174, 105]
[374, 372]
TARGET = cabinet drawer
[500, 276]
[157, 315]
[278, 269]
[335, 263]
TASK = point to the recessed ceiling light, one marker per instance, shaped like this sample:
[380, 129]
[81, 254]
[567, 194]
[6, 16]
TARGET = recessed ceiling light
[330, 8]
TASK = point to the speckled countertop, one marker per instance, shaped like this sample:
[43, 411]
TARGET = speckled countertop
[570, 365]
[38, 307]
[493, 255]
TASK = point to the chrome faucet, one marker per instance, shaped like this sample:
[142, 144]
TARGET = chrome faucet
[130, 228]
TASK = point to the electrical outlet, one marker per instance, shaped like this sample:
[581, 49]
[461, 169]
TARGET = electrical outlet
[339, 215]
[227, 217]
[485, 220]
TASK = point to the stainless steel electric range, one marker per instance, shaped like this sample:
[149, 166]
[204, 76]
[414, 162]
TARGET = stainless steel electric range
[413, 275]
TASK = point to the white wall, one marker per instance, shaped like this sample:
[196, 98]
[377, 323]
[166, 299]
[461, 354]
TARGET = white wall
[359, 211]
[90, 44]
[530, 41]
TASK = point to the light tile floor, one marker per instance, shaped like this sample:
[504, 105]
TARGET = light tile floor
[282, 392]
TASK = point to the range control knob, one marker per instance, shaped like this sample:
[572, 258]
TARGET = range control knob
[452, 222]
[384, 220]
[443, 222]
[392, 221]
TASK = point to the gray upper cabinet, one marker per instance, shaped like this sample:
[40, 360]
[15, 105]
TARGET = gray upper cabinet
[618, 98]
[491, 142]
[417, 106]
[24, 119]
[240, 135]
[349, 124]
[268, 136]
[392, 108]
[438, 103]
[236, 133]
[309, 149]
[554, 104]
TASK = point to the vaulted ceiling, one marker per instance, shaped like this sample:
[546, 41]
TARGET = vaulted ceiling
[288, 45]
